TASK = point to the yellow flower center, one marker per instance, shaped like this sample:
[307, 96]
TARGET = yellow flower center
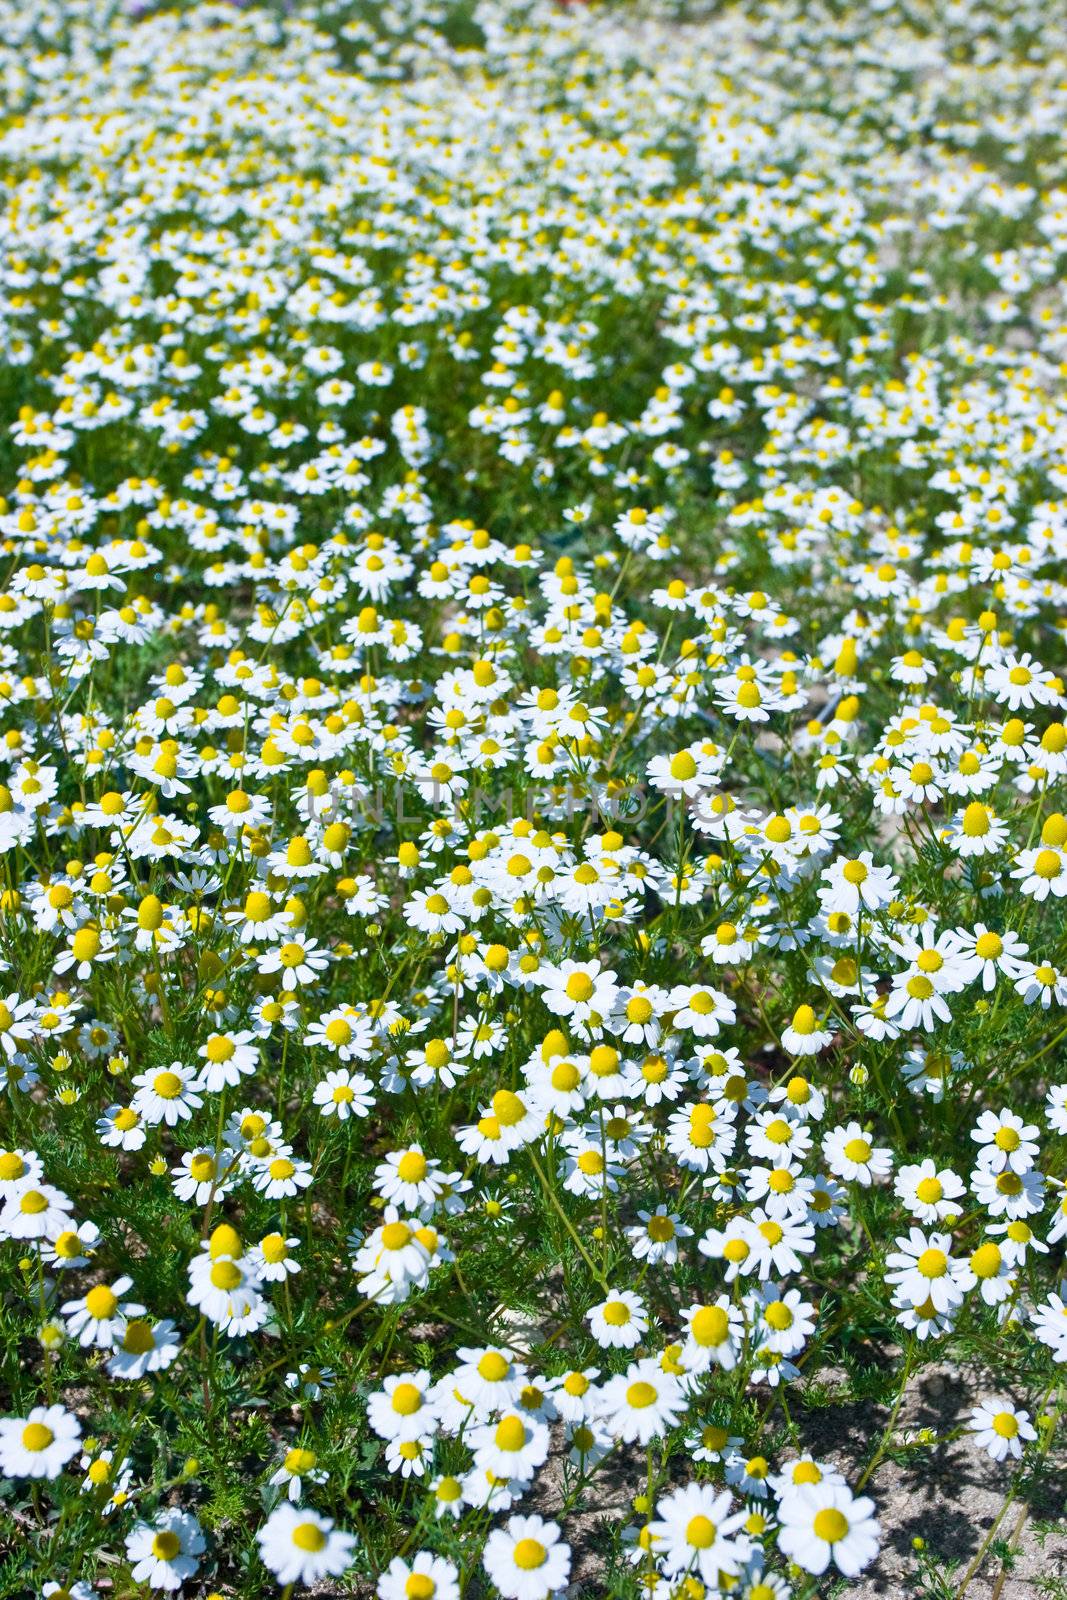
[407, 1399]
[830, 1525]
[579, 987]
[309, 1536]
[101, 1303]
[510, 1434]
[932, 1263]
[137, 1339]
[530, 1554]
[710, 1325]
[976, 821]
[985, 1262]
[700, 1532]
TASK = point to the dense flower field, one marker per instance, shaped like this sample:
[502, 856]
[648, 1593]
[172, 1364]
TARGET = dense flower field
[534, 899]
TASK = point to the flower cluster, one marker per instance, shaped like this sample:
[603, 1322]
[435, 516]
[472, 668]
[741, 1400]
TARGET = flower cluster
[533, 771]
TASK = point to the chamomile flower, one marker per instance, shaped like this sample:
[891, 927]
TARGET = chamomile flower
[97, 1317]
[513, 1447]
[850, 1154]
[657, 1237]
[37, 1212]
[165, 1553]
[298, 1545]
[931, 1195]
[1000, 1430]
[141, 1347]
[526, 1559]
[425, 1577]
[697, 1530]
[619, 1322]
[714, 1333]
[166, 1095]
[825, 1523]
[1005, 1141]
[297, 1469]
[922, 1268]
[642, 1403]
[409, 1178]
[40, 1444]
